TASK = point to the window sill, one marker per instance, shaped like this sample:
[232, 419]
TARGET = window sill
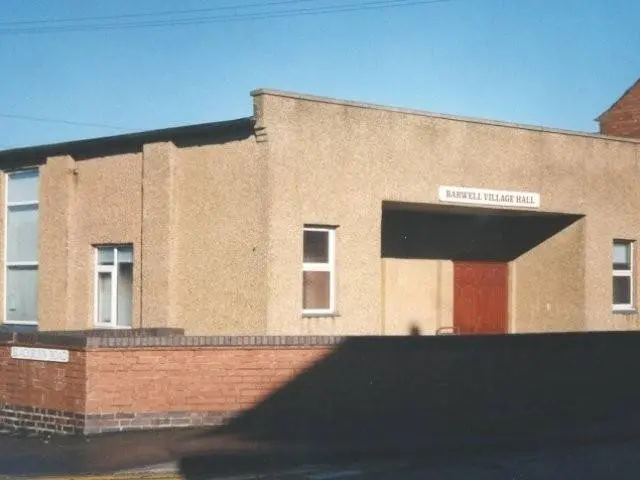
[625, 311]
[108, 326]
[19, 327]
[320, 315]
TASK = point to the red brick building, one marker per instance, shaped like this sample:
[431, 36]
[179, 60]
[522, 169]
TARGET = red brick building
[622, 119]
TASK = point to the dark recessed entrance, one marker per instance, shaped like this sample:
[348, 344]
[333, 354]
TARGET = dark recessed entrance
[480, 242]
[463, 233]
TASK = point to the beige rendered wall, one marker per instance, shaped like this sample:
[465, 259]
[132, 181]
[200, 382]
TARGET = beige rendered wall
[220, 279]
[82, 204]
[547, 285]
[416, 294]
[611, 191]
[334, 163]
[195, 217]
[158, 236]
[56, 299]
[219, 230]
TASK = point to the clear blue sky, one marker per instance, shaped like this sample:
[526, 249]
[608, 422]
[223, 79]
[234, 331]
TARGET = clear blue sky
[557, 63]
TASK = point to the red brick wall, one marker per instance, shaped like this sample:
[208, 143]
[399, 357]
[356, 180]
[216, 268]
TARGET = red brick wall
[190, 379]
[623, 120]
[389, 388]
[4, 367]
[144, 386]
[48, 385]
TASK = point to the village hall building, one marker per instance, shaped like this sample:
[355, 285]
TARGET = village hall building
[318, 216]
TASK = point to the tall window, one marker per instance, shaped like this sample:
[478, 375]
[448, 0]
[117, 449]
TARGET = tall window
[114, 286]
[21, 248]
[623, 273]
[318, 270]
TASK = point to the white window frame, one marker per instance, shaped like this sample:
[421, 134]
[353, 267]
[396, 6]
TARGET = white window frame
[7, 264]
[329, 266]
[113, 271]
[626, 307]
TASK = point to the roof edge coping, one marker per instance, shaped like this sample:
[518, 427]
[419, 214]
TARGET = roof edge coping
[442, 116]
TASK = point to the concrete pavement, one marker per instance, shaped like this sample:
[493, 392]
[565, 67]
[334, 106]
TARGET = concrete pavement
[161, 456]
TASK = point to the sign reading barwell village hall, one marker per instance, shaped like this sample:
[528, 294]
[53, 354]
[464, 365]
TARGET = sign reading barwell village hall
[481, 196]
[40, 354]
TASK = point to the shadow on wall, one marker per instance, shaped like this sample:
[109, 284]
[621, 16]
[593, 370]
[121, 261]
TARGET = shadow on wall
[414, 330]
[437, 395]
[499, 236]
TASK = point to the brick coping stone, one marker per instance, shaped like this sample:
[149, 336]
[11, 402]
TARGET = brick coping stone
[160, 338]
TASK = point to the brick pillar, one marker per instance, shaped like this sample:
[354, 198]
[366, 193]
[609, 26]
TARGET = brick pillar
[55, 302]
[159, 235]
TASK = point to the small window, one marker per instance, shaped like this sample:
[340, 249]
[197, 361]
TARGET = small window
[318, 270]
[623, 267]
[114, 286]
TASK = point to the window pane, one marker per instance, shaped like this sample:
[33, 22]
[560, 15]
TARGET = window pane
[23, 186]
[22, 294]
[22, 234]
[316, 290]
[621, 290]
[125, 255]
[105, 256]
[125, 293]
[622, 256]
[104, 297]
[316, 246]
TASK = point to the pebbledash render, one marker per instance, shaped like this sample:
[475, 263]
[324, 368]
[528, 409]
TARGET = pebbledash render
[318, 216]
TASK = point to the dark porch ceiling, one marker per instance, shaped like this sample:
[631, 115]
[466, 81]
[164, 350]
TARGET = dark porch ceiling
[458, 235]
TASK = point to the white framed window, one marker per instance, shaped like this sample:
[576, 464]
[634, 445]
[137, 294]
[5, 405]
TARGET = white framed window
[21, 247]
[114, 286]
[318, 270]
[623, 275]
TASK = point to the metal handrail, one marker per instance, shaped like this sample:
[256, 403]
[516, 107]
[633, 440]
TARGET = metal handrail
[453, 330]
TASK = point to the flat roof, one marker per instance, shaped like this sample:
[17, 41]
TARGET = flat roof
[229, 130]
[202, 133]
[424, 113]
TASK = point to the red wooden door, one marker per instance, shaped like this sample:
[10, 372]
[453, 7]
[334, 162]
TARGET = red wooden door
[480, 298]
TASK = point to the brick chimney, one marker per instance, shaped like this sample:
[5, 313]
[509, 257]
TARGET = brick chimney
[622, 119]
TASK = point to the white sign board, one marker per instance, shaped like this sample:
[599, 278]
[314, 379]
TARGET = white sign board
[481, 196]
[40, 354]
